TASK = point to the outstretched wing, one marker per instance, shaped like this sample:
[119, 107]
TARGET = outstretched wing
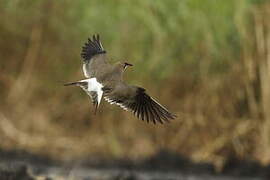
[136, 100]
[94, 56]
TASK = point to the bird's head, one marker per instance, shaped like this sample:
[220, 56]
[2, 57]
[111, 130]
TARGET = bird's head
[124, 65]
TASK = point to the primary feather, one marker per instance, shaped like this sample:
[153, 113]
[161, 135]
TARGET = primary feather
[91, 48]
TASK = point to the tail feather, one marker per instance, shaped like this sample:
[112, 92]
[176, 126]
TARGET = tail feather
[71, 83]
[96, 106]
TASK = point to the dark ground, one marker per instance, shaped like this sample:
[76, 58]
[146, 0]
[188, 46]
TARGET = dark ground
[19, 165]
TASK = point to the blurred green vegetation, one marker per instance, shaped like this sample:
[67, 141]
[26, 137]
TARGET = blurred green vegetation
[205, 60]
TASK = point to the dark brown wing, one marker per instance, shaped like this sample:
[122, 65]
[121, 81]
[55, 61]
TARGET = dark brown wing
[94, 56]
[91, 48]
[140, 103]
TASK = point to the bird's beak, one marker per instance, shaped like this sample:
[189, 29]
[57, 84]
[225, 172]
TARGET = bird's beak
[128, 64]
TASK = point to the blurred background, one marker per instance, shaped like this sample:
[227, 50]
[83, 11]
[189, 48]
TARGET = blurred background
[207, 61]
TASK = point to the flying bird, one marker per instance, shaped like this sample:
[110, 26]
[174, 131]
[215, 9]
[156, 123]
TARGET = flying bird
[106, 80]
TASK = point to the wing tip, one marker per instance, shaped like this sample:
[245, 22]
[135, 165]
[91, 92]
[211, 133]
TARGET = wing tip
[158, 112]
[92, 47]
